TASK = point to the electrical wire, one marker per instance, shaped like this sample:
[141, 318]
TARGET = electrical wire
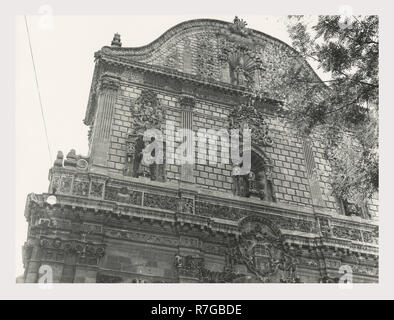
[38, 90]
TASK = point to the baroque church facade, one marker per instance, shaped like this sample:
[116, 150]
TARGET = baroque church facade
[110, 217]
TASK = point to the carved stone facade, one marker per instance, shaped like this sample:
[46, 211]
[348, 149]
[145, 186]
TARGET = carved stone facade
[112, 217]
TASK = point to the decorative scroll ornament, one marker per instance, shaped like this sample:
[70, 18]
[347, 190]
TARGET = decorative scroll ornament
[147, 113]
[239, 26]
[193, 267]
[86, 252]
[258, 182]
[246, 116]
[261, 251]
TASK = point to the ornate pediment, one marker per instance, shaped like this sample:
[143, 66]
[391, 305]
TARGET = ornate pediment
[200, 48]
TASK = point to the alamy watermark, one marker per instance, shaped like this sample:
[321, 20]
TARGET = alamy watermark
[233, 145]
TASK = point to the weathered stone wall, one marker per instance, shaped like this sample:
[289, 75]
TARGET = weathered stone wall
[292, 182]
[204, 49]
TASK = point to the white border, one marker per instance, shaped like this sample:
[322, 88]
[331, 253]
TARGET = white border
[9, 289]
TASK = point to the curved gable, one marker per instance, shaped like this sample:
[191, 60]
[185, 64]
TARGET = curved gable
[220, 51]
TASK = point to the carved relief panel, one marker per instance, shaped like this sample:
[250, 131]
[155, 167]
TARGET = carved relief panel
[260, 253]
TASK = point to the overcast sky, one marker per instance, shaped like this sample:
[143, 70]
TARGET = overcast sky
[63, 48]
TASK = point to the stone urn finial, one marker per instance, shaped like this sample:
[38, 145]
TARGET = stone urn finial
[116, 41]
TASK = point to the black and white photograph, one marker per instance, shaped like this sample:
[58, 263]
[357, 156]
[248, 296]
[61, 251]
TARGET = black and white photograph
[227, 148]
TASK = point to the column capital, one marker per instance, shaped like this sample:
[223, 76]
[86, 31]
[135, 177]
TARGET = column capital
[109, 82]
[187, 102]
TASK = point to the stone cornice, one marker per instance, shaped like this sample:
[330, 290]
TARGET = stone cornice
[117, 216]
[172, 73]
[125, 64]
[217, 198]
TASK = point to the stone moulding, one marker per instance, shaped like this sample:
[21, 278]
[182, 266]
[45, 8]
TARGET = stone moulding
[85, 251]
[297, 245]
[230, 209]
[221, 87]
[209, 223]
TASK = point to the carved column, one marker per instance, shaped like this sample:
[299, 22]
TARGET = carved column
[108, 88]
[316, 193]
[187, 104]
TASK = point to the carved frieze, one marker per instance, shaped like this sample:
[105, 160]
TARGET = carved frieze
[66, 183]
[96, 189]
[86, 252]
[160, 201]
[123, 195]
[347, 233]
[371, 236]
[193, 267]
[141, 237]
[187, 205]
[215, 210]
[232, 213]
[80, 187]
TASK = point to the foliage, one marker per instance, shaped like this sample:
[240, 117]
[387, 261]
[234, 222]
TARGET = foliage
[343, 109]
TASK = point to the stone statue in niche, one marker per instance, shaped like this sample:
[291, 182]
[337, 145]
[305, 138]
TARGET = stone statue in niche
[237, 75]
[134, 147]
[240, 183]
[135, 166]
[264, 186]
[256, 183]
[147, 113]
[244, 61]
